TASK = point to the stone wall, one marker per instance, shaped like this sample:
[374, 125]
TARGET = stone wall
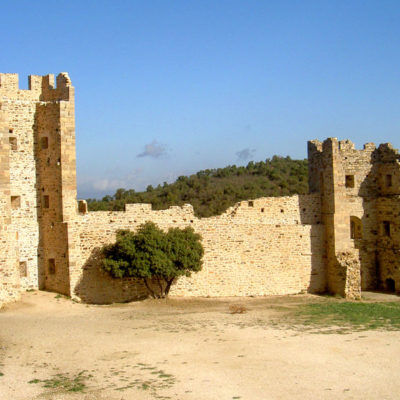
[344, 236]
[258, 247]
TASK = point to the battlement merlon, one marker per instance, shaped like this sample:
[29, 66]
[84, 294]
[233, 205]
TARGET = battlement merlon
[333, 145]
[40, 88]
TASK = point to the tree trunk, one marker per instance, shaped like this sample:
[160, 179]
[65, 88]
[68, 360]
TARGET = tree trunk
[152, 294]
[169, 284]
[161, 288]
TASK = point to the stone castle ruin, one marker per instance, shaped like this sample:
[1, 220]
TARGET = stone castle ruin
[343, 237]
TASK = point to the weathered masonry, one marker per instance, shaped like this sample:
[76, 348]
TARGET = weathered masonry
[343, 237]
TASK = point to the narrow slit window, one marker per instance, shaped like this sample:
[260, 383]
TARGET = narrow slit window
[355, 228]
[15, 202]
[386, 228]
[13, 143]
[349, 181]
[23, 270]
[389, 180]
[44, 143]
[46, 201]
[52, 266]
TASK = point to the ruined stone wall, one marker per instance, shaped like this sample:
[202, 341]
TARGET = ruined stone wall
[258, 247]
[344, 236]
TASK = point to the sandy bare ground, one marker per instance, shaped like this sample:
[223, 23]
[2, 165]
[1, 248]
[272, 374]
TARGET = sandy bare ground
[186, 349]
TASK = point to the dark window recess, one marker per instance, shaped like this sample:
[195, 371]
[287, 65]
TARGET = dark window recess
[52, 266]
[386, 228]
[355, 228]
[389, 180]
[349, 181]
[15, 202]
[46, 201]
[23, 270]
[82, 206]
[390, 285]
[13, 143]
[44, 142]
[11, 130]
[251, 204]
[262, 210]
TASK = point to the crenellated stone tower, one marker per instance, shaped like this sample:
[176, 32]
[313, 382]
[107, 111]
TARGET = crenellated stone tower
[360, 206]
[37, 182]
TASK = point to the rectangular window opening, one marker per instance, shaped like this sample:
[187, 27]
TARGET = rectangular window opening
[386, 228]
[349, 181]
[389, 180]
[251, 204]
[23, 270]
[44, 142]
[46, 201]
[15, 202]
[52, 266]
[82, 206]
[13, 143]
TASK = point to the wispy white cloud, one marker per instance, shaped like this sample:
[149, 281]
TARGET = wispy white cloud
[153, 150]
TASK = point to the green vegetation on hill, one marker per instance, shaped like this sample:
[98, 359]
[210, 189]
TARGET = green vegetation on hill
[212, 191]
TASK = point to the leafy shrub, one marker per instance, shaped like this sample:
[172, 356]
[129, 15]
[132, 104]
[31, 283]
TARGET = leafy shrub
[154, 256]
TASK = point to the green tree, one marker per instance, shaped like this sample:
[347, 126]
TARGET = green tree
[154, 256]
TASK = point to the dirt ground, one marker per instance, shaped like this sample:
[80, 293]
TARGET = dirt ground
[186, 349]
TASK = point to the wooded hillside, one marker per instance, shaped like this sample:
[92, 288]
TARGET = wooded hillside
[212, 191]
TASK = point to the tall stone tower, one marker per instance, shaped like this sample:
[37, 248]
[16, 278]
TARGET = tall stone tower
[37, 182]
[360, 197]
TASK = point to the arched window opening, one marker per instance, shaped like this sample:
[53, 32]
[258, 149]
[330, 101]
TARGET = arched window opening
[355, 228]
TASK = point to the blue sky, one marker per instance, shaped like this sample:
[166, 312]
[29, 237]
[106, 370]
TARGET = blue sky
[166, 88]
